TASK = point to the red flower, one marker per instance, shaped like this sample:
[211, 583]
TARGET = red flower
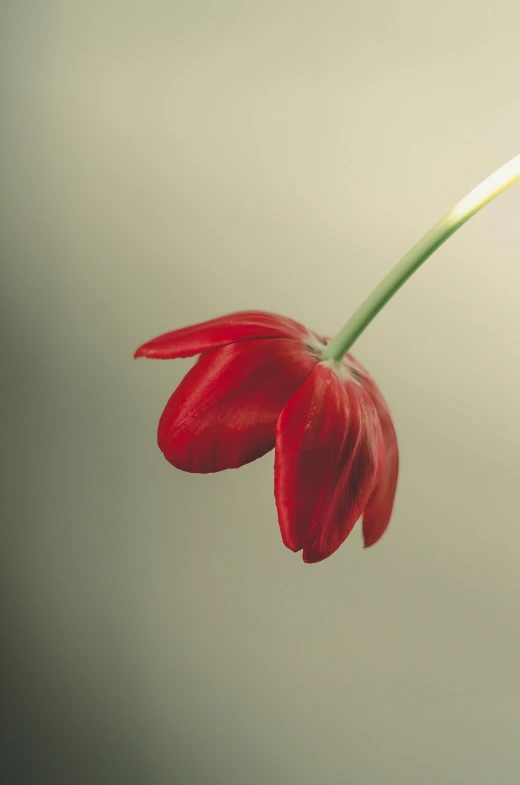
[258, 384]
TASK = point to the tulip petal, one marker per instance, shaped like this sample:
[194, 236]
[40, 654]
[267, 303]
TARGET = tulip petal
[327, 443]
[380, 505]
[224, 412]
[240, 326]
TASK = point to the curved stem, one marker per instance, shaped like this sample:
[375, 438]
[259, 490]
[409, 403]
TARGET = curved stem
[458, 215]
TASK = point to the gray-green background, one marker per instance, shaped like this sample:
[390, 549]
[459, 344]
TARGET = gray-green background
[164, 163]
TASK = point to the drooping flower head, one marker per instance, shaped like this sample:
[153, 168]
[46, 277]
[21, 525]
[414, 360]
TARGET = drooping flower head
[265, 381]
[260, 383]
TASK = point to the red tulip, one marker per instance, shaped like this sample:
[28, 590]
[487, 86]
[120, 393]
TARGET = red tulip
[258, 384]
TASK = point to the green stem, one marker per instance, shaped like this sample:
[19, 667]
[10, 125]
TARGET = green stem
[462, 212]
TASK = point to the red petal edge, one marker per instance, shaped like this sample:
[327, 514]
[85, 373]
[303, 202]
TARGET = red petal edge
[380, 505]
[239, 326]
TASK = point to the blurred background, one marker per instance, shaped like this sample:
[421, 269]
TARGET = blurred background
[163, 163]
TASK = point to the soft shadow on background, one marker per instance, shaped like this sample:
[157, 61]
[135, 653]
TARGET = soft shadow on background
[164, 163]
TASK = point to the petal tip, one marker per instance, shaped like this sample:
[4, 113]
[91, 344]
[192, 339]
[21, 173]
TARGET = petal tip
[313, 558]
[146, 350]
[368, 542]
